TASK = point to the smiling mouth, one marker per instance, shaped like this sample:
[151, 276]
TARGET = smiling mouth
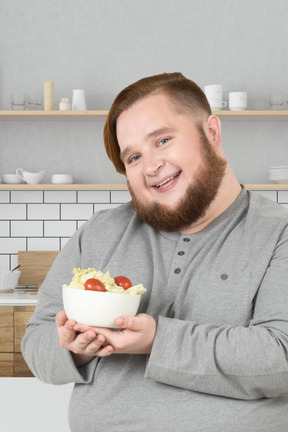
[167, 182]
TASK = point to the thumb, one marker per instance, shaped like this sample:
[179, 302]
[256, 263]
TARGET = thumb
[61, 318]
[130, 322]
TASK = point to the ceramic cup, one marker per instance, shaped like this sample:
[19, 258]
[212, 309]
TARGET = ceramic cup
[237, 105]
[214, 94]
[238, 96]
[237, 101]
[61, 179]
[214, 88]
[217, 104]
[29, 177]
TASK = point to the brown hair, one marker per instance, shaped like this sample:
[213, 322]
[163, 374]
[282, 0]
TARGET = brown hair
[184, 93]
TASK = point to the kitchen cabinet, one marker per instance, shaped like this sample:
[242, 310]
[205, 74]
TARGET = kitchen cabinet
[13, 320]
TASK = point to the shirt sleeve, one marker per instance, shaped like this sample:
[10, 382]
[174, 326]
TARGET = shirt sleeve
[48, 361]
[242, 362]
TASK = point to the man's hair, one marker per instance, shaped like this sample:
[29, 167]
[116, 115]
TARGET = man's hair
[186, 96]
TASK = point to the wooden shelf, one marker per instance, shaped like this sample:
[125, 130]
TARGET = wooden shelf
[101, 114]
[73, 186]
[81, 186]
[53, 115]
[268, 186]
[252, 115]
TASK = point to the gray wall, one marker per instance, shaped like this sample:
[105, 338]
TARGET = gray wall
[104, 45]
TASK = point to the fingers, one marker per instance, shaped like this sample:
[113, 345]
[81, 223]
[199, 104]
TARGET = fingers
[81, 339]
[89, 344]
[105, 351]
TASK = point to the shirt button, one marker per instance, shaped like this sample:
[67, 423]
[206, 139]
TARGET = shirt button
[181, 253]
[224, 276]
[177, 270]
[186, 239]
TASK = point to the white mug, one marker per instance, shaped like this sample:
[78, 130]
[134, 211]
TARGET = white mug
[238, 96]
[237, 105]
[62, 179]
[78, 100]
[214, 87]
[29, 177]
[217, 104]
[214, 94]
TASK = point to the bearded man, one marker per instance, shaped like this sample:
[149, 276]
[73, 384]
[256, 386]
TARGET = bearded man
[208, 349]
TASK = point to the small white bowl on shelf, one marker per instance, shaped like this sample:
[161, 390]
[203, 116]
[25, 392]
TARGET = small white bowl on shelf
[279, 174]
[62, 179]
[11, 179]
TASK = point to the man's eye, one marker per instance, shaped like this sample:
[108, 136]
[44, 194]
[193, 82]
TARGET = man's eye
[164, 141]
[133, 158]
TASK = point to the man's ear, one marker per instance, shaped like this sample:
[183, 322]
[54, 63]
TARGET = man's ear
[214, 130]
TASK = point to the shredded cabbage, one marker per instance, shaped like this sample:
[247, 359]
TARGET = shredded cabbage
[81, 275]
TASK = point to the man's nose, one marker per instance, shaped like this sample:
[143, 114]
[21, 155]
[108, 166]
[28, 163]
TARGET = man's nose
[152, 165]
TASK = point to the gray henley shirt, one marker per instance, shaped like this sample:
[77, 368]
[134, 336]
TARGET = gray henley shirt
[220, 296]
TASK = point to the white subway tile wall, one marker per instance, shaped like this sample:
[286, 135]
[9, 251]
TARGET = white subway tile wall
[4, 229]
[46, 219]
[60, 197]
[4, 197]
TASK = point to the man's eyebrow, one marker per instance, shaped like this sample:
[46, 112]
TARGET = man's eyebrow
[160, 131]
[156, 132]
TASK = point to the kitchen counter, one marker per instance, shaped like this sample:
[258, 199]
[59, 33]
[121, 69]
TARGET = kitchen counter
[18, 298]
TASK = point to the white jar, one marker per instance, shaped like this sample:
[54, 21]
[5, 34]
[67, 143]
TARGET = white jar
[64, 105]
[78, 100]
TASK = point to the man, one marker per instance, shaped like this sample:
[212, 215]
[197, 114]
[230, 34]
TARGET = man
[208, 350]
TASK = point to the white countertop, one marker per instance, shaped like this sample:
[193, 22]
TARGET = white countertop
[18, 298]
[25, 402]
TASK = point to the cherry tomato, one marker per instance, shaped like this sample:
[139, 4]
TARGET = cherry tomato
[123, 281]
[94, 285]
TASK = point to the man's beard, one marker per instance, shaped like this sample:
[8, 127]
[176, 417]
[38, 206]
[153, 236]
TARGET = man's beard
[196, 200]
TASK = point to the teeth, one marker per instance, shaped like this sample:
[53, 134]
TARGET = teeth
[166, 181]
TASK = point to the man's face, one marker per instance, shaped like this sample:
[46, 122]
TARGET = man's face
[173, 172]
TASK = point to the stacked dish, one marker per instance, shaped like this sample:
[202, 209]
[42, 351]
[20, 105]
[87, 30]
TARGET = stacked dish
[279, 174]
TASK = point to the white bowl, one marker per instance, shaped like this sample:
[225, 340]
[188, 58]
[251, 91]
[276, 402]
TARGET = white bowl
[8, 280]
[62, 179]
[11, 179]
[97, 308]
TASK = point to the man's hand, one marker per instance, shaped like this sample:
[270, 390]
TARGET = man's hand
[85, 345]
[135, 337]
